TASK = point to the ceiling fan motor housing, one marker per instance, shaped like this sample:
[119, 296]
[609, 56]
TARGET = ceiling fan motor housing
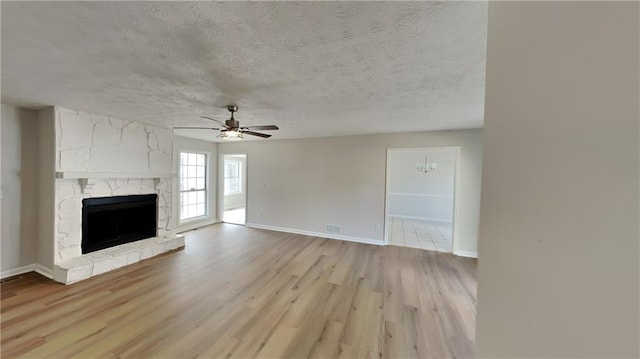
[232, 123]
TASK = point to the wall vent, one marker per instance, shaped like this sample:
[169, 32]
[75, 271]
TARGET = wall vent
[333, 228]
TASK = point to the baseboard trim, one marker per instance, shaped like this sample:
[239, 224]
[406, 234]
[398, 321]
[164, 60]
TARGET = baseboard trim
[35, 267]
[420, 218]
[466, 254]
[317, 234]
[17, 271]
[42, 270]
[195, 225]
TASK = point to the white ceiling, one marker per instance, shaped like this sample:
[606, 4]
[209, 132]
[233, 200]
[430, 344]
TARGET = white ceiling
[312, 68]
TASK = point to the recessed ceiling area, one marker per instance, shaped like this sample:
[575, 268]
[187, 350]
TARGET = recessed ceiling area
[312, 68]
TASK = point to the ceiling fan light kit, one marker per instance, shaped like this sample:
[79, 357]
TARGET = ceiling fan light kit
[231, 135]
[231, 129]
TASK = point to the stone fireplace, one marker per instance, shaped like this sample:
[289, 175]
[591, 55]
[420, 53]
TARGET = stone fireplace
[101, 157]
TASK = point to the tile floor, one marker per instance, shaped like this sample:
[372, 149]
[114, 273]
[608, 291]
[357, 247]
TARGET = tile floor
[415, 233]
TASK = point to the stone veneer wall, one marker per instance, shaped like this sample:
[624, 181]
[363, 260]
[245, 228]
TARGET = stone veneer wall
[113, 157]
[93, 143]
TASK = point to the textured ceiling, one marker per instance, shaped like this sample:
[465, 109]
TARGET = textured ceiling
[312, 68]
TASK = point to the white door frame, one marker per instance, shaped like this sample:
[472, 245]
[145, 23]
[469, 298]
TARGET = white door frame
[456, 188]
[245, 183]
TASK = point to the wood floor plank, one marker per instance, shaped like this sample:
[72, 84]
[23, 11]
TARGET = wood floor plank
[278, 342]
[221, 347]
[237, 292]
[326, 346]
[370, 345]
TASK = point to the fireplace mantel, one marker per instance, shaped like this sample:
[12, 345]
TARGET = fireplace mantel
[88, 179]
[111, 175]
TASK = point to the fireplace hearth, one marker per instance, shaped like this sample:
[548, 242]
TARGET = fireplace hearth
[112, 221]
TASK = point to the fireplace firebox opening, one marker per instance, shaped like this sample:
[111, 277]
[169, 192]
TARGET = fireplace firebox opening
[112, 221]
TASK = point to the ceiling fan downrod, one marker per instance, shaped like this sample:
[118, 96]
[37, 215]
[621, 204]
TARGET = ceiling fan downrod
[232, 123]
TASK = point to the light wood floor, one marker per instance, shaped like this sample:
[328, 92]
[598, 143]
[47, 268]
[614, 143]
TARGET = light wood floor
[241, 292]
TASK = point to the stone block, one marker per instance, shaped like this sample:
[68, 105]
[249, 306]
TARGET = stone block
[134, 257]
[67, 188]
[103, 266]
[76, 129]
[70, 252]
[69, 225]
[78, 273]
[146, 252]
[119, 261]
[106, 134]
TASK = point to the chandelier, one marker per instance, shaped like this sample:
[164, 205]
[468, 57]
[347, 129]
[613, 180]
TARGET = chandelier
[427, 166]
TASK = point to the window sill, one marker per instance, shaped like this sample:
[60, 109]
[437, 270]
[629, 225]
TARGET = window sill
[194, 219]
[195, 224]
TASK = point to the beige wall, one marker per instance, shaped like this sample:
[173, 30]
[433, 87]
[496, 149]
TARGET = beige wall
[306, 183]
[29, 184]
[1, 193]
[17, 246]
[558, 275]
[19, 188]
[24, 235]
[46, 186]
[11, 165]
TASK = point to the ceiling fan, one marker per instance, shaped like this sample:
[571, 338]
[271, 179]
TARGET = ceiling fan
[231, 129]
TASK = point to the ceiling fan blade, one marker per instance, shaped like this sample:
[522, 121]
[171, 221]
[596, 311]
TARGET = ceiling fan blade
[261, 127]
[263, 135]
[213, 119]
[196, 128]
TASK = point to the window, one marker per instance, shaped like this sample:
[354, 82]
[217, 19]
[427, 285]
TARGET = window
[193, 185]
[231, 177]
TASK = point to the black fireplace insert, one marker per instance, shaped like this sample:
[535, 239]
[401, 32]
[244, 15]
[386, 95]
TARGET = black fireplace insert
[111, 221]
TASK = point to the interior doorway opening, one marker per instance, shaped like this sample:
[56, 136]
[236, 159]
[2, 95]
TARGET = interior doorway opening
[420, 198]
[234, 188]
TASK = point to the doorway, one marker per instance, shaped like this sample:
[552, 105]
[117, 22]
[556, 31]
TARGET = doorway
[420, 197]
[234, 188]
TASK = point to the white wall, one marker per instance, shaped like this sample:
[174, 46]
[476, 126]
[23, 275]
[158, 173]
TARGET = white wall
[211, 148]
[419, 195]
[306, 183]
[559, 237]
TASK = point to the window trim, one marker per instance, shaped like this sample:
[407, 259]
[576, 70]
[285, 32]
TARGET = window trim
[206, 188]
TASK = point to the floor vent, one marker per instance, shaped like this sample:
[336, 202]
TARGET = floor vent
[333, 228]
[10, 279]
